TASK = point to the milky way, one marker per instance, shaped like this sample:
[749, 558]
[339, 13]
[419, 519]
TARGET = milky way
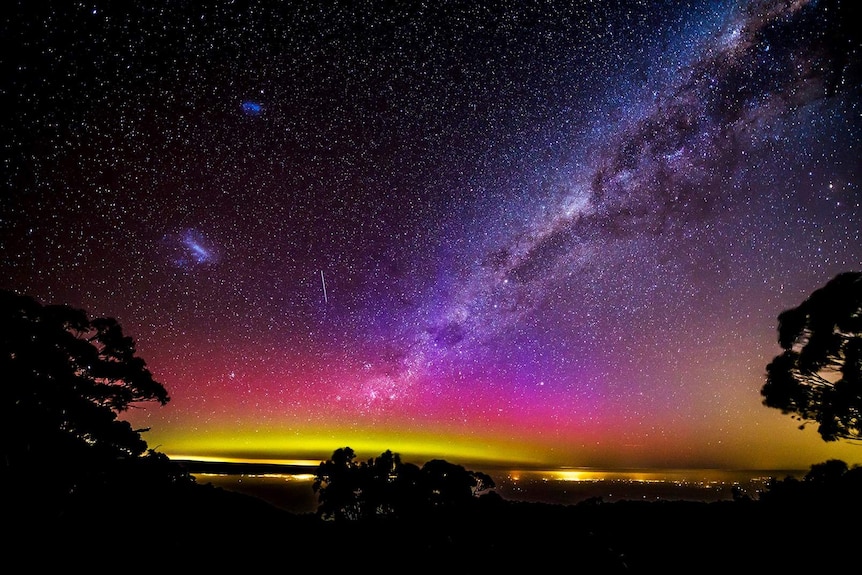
[552, 233]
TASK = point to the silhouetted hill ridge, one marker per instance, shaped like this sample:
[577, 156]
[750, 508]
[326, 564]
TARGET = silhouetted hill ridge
[206, 527]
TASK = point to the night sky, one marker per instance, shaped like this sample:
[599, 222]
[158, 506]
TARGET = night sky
[546, 233]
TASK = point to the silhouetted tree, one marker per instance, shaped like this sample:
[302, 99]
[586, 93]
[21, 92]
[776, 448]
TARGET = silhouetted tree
[380, 483]
[829, 471]
[65, 380]
[482, 483]
[451, 485]
[338, 485]
[387, 487]
[818, 377]
[408, 491]
[831, 483]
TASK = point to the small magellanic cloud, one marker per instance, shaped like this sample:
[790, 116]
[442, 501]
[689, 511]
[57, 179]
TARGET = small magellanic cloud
[252, 108]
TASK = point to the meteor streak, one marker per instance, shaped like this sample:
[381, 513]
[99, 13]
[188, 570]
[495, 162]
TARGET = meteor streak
[323, 281]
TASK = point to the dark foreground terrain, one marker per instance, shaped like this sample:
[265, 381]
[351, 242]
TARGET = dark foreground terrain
[208, 529]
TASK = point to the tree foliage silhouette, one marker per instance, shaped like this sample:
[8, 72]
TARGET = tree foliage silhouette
[818, 377]
[66, 379]
[388, 487]
[827, 484]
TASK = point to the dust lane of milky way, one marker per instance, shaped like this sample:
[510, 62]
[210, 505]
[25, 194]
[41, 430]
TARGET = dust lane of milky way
[549, 234]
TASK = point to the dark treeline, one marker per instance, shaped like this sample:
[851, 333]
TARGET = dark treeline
[81, 490]
[793, 525]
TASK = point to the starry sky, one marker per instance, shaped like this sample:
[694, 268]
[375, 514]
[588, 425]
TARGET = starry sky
[529, 232]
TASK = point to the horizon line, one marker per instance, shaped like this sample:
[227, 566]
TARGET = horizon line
[513, 466]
